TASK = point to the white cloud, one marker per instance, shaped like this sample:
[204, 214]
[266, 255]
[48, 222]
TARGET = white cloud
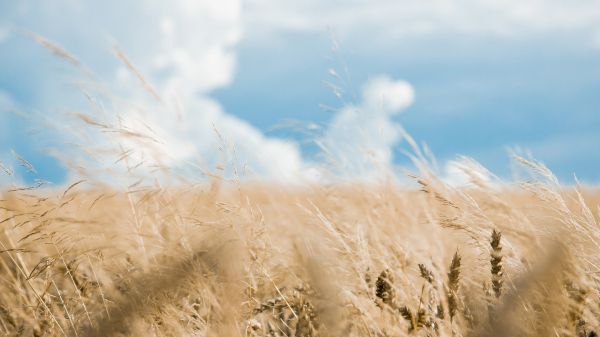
[386, 96]
[394, 18]
[184, 49]
[466, 172]
[360, 138]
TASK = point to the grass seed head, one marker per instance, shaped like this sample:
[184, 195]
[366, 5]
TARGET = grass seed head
[426, 274]
[408, 316]
[384, 289]
[453, 283]
[496, 263]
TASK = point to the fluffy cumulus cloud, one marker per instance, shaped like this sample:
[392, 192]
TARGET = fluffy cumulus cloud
[360, 138]
[177, 52]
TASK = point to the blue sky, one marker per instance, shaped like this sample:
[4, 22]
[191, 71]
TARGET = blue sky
[477, 97]
[487, 76]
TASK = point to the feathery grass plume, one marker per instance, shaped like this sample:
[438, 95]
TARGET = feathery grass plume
[426, 274]
[384, 289]
[424, 320]
[253, 328]
[24, 163]
[496, 263]
[439, 313]
[409, 317]
[368, 278]
[307, 324]
[434, 305]
[54, 48]
[292, 314]
[6, 169]
[453, 283]
[145, 84]
[577, 296]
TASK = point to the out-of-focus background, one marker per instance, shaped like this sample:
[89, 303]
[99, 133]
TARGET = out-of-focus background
[295, 84]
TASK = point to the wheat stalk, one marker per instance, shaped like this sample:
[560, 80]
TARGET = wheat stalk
[496, 263]
[453, 284]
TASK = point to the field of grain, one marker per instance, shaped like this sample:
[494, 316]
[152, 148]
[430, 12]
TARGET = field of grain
[249, 259]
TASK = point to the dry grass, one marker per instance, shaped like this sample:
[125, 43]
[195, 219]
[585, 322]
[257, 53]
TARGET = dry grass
[321, 261]
[243, 259]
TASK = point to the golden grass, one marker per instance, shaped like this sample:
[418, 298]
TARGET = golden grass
[261, 260]
[243, 259]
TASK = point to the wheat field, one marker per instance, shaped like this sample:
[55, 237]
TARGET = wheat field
[250, 259]
[234, 257]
